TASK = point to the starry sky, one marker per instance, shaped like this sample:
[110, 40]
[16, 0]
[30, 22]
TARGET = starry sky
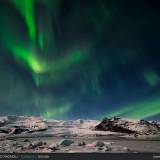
[69, 59]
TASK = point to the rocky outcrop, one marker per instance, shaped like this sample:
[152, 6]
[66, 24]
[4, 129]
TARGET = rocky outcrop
[3, 120]
[128, 126]
[24, 126]
[17, 125]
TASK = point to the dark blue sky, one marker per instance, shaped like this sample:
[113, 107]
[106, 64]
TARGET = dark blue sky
[80, 58]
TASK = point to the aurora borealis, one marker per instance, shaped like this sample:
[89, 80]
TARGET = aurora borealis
[69, 59]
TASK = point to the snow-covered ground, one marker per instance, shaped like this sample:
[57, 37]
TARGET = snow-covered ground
[35, 134]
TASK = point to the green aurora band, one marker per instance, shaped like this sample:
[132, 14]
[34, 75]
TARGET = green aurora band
[138, 110]
[46, 69]
[26, 53]
[26, 8]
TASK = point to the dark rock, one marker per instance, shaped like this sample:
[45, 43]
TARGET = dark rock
[100, 148]
[26, 140]
[110, 125]
[44, 143]
[143, 122]
[27, 124]
[107, 149]
[123, 125]
[99, 144]
[81, 143]
[18, 130]
[53, 147]
[5, 130]
[36, 144]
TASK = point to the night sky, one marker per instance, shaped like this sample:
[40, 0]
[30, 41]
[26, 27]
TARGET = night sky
[69, 59]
